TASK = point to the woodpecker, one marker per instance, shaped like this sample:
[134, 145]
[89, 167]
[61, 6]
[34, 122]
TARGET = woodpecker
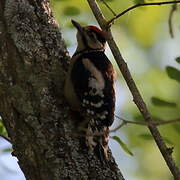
[89, 87]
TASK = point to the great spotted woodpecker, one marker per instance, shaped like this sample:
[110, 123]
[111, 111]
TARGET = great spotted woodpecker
[89, 87]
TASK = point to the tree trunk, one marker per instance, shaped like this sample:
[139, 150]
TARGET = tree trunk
[33, 63]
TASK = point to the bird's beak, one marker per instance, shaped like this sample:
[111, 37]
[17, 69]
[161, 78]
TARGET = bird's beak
[77, 25]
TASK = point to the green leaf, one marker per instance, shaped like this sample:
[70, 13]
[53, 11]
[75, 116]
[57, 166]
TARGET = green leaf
[173, 73]
[3, 129]
[7, 150]
[178, 59]
[71, 11]
[123, 145]
[146, 136]
[160, 102]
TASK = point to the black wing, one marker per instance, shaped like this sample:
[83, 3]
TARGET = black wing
[93, 80]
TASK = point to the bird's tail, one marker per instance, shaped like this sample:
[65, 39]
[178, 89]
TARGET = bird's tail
[97, 141]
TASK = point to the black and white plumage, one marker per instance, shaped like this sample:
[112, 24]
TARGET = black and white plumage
[89, 87]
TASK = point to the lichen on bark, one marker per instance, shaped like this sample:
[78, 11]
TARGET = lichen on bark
[33, 61]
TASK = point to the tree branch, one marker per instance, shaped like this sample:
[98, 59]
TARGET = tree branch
[134, 90]
[158, 123]
[124, 122]
[106, 4]
[152, 123]
[173, 9]
[140, 5]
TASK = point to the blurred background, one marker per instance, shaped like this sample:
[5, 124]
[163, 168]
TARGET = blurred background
[152, 56]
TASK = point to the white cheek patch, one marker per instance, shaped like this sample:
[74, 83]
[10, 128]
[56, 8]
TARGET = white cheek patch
[98, 81]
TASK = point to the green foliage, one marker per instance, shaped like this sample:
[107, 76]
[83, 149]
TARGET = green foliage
[2, 129]
[3, 132]
[139, 117]
[109, 0]
[160, 102]
[123, 145]
[7, 150]
[147, 136]
[139, 1]
[71, 11]
[61, 0]
[106, 0]
[178, 59]
[173, 73]
[177, 128]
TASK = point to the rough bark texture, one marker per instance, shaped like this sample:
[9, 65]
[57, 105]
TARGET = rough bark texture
[33, 62]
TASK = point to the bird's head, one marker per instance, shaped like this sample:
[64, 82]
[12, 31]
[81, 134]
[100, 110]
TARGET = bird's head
[89, 37]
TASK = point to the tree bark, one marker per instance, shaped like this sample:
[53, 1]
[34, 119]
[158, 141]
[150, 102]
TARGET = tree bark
[33, 64]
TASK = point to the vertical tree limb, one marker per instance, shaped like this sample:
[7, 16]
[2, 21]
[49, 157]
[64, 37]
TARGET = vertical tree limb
[172, 11]
[33, 63]
[137, 98]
